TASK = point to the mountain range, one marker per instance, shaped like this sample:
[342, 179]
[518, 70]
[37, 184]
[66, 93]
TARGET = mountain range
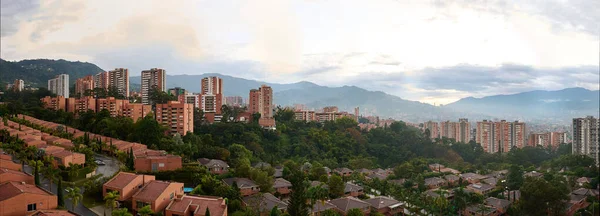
[560, 105]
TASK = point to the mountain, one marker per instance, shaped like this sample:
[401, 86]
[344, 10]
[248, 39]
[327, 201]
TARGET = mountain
[561, 104]
[37, 72]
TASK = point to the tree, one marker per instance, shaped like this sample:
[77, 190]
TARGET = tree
[540, 197]
[355, 212]
[336, 186]
[298, 196]
[514, 179]
[59, 189]
[146, 211]
[318, 193]
[274, 211]
[37, 166]
[110, 200]
[74, 194]
[51, 174]
[121, 212]
[207, 212]
[73, 171]
[330, 212]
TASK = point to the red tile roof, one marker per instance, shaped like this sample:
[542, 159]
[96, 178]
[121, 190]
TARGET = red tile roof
[121, 180]
[216, 205]
[12, 189]
[53, 213]
[151, 191]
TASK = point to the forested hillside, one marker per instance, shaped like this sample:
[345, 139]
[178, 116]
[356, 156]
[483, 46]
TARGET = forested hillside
[37, 72]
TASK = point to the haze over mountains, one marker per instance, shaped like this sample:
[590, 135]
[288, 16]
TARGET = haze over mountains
[557, 106]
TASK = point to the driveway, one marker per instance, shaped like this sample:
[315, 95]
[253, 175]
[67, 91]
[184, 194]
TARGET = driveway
[111, 167]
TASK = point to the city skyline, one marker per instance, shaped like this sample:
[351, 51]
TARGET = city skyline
[396, 47]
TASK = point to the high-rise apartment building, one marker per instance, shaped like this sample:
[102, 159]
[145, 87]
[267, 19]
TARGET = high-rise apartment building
[82, 104]
[54, 103]
[136, 111]
[211, 95]
[190, 99]
[119, 79]
[234, 101]
[19, 85]
[177, 117]
[304, 115]
[449, 129]
[84, 84]
[330, 109]
[177, 91]
[585, 137]
[552, 139]
[500, 136]
[261, 101]
[101, 80]
[114, 106]
[464, 131]
[59, 85]
[433, 129]
[153, 78]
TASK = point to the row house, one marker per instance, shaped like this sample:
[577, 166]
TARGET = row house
[20, 198]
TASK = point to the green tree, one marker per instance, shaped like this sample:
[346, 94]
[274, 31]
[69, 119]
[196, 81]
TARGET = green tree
[51, 174]
[336, 186]
[74, 194]
[110, 200]
[146, 211]
[121, 212]
[299, 195]
[37, 166]
[514, 179]
[59, 189]
[207, 212]
[275, 211]
[355, 212]
[330, 212]
[318, 194]
[540, 197]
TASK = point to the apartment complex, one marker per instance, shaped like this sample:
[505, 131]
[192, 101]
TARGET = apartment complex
[59, 85]
[211, 95]
[261, 101]
[153, 78]
[116, 107]
[585, 137]
[119, 79]
[177, 91]
[19, 85]
[500, 136]
[433, 129]
[190, 99]
[234, 101]
[552, 139]
[176, 116]
[330, 113]
[136, 111]
[101, 80]
[84, 84]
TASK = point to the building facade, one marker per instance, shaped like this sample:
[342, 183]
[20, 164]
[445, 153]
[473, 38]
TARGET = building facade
[234, 101]
[119, 79]
[585, 137]
[177, 117]
[84, 84]
[261, 101]
[177, 91]
[59, 85]
[211, 95]
[153, 78]
[19, 85]
[500, 136]
[433, 129]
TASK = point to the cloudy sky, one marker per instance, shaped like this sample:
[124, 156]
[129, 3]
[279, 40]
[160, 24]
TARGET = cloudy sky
[430, 51]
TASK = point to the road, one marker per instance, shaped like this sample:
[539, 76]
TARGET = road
[111, 167]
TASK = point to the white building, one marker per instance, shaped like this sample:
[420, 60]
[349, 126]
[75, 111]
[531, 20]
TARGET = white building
[585, 137]
[59, 85]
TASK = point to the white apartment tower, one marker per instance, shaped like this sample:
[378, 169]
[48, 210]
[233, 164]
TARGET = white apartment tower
[59, 85]
[585, 137]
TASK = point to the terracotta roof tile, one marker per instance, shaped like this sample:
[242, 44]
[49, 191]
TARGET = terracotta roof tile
[121, 180]
[12, 189]
[216, 205]
[151, 191]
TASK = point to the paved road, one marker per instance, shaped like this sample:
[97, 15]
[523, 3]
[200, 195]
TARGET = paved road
[111, 167]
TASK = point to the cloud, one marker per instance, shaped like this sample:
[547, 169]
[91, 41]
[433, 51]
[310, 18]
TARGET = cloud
[12, 11]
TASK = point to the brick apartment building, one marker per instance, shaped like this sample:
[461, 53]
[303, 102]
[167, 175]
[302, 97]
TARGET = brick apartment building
[153, 78]
[177, 117]
[433, 128]
[84, 84]
[500, 136]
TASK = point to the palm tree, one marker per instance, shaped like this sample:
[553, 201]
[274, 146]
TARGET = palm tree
[318, 193]
[111, 200]
[73, 171]
[74, 194]
[461, 200]
[145, 211]
[121, 212]
[51, 174]
[37, 166]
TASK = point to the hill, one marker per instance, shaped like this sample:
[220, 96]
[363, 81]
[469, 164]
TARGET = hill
[561, 104]
[37, 72]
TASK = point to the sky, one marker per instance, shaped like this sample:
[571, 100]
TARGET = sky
[430, 51]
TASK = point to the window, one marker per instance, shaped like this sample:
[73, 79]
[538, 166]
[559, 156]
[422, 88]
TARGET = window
[161, 165]
[172, 195]
[31, 207]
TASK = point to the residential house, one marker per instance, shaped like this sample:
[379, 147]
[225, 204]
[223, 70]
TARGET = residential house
[533, 174]
[66, 158]
[247, 187]
[364, 171]
[583, 180]
[480, 210]
[278, 172]
[7, 175]
[586, 192]
[345, 172]
[19, 198]
[434, 182]
[452, 179]
[127, 184]
[327, 170]
[53, 213]
[320, 207]
[480, 188]
[501, 205]
[214, 166]
[575, 203]
[436, 167]
[491, 181]
[9, 164]
[344, 204]
[196, 206]
[156, 194]
[353, 190]
[264, 203]
[385, 205]
[472, 177]
[282, 187]
[144, 161]
[513, 195]
[435, 193]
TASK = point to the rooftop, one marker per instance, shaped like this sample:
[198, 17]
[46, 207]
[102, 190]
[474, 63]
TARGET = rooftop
[210, 163]
[241, 182]
[381, 202]
[216, 205]
[53, 213]
[346, 203]
[12, 189]
[350, 187]
[497, 203]
[264, 202]
[280, 182]
[152, 190]
[121, 180]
